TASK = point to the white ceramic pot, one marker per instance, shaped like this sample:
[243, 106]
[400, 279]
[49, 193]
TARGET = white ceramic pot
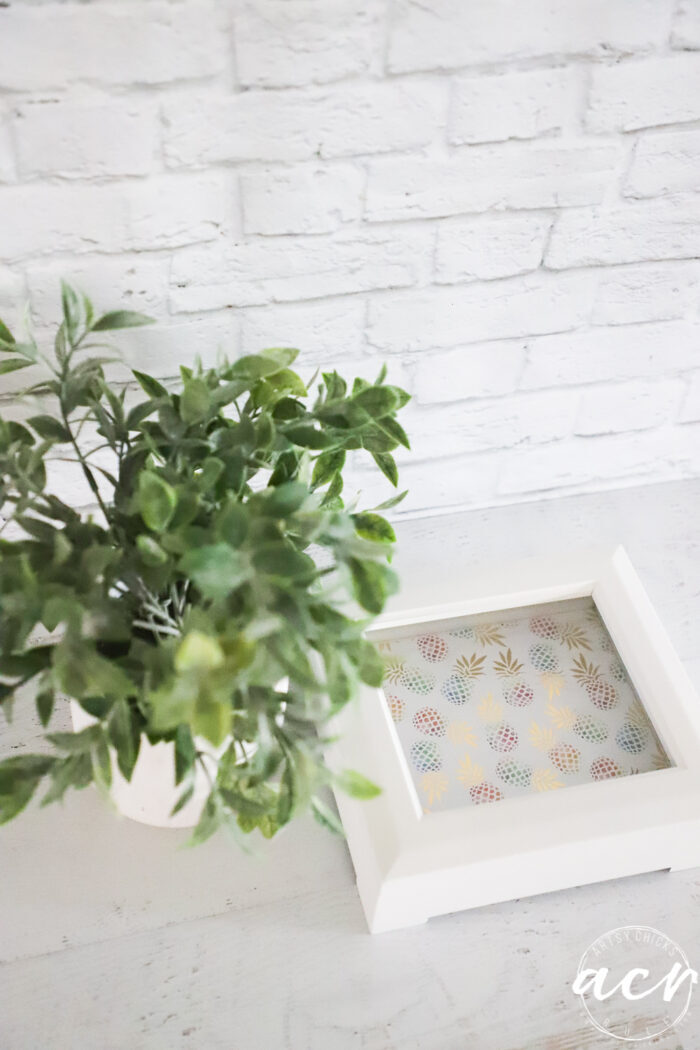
[151, 793]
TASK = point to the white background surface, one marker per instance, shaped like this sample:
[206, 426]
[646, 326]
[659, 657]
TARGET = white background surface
[499, 197]
[110, 936]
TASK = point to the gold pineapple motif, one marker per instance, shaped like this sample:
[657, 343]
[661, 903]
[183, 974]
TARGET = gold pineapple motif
[489, 634]
[461, 733]
[471, 667]
[602, 693]
[516, 692]
[434, 786]
[472, 776]
[546, 780]
[458, 686]
[574, 637]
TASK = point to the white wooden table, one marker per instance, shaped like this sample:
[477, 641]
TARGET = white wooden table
[112, 937]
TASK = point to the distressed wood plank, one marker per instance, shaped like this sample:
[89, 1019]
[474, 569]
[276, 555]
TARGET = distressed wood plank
[112, 936]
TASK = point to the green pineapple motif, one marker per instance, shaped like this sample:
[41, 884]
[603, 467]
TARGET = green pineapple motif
[543, 657]
[591, 729]
[517, 774]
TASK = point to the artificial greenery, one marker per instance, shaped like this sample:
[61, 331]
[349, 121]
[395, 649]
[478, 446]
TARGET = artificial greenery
[179, 603]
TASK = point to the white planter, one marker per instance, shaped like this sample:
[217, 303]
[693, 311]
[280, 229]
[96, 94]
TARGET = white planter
[151, 793]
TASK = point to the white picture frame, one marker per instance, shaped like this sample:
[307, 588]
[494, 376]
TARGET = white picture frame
[410, 868]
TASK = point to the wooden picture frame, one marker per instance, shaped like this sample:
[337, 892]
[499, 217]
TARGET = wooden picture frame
[411, 866]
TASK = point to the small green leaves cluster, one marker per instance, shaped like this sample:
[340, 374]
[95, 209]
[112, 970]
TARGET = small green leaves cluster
[220, 590]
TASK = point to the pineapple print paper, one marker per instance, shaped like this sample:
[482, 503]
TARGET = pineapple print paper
[494, 707]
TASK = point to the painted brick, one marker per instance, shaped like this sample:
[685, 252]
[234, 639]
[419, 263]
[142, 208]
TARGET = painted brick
[460, 481]
[12, 295]
[478, 178]
[641, 93]
[666, 228]
[318, 330]
[446, 34]
[54, 44]
[646, 292]
[628, 406]
[162, 212]
[512, 105]
[7, 160]
[483, 426]
[161, 349]
[499, 245]
[257, 272]
[690, 412]
[309, 199]
[664, 162]
[306, 41]
[467, 372]
[686, 28]
[597, 462]
[137, 283]
[629, 352]
[77, 141]
[302, 124]
[454, 316]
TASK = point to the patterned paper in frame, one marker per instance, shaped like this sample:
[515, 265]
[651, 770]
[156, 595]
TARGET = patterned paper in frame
[495, 706]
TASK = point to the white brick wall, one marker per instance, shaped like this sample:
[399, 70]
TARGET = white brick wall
[501, 199]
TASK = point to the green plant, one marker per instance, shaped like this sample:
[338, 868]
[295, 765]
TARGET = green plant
[177, 606]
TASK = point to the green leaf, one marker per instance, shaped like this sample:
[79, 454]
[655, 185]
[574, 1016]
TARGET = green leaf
[198, 652]
[372, 584]
[394, 430]
[173, 702]
[280, 356]
[19, 778]
[140, 412]
[327, 464]
[306, 435]
[6, 335]
[26, 664]
[377, 401]
[185, 753]
[75, 771]
[216, 569]
[326, 817]
[151, 551]
[386, 463]
[76, 743]
[371, 667]
[258, 366]
[336, 387]
[393, 502]
[124, 737]
[44, 704]
[296, 781]
[157, 500]
[212, 720]
[71, 311]
[355, 785]
[209, 822]
[152, 387]
[13, 364]
[195, 401]
[109, 322]
[287, 382]
[374, 527]
[184, 798]
[283, 562]
[49, 428]
[212, 469]
[284, 499]
[232, 522]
